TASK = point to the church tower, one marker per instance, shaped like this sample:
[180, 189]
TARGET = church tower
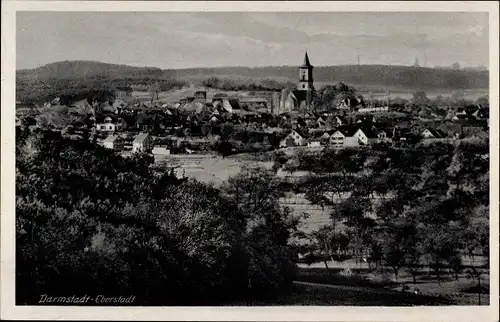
[305, 75]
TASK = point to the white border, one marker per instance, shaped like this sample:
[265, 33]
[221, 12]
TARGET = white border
[293, 313]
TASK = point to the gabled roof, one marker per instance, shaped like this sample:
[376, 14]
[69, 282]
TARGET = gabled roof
[348, 130]
[110, 139]
[299, 132]
[233, 102]
[438, 134]
[341, 131]
[100, 118]
[342, 119]
[320, 134]
[369, 132]
[140, 137]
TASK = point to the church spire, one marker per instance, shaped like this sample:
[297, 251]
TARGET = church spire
[306, 61]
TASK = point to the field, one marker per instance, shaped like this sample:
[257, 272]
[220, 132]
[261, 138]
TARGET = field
[214, 169]
[208, 168]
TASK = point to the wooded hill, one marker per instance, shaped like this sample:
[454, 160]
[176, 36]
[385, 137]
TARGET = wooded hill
[75, 75]
[384, 75]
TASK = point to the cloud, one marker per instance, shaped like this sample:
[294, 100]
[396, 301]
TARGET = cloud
[183, 39]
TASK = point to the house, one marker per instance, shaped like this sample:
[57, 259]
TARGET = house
[157, 150]
[254, 103]
[366, 120]
[348, 103]
[352, 137]
[168, 112]
[365, 136]
[321, 122]
[109, 124]
[231, 105]
[480, 113]
[345, 104]
[214, 118]
[217, 103]
[460, 111]
[340, 120]
[370, 133]
[341, 138]
[314, 143]
[433, 134]
[385, 135]
[402, 134]
[451, 116]
[319, 139]
[325, 136]
[294, 138]
[112, 142]
[143, 142]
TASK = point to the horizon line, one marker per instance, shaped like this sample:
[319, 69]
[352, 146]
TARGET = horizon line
[243, 66]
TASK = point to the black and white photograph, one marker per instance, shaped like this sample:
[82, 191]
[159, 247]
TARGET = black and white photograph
[219, 158]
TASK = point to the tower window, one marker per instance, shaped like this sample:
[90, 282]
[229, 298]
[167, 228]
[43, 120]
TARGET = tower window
[303, 86]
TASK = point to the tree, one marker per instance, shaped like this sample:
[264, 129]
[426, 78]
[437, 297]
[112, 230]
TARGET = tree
[154, 89]
[420, 99]
[256, 193]
[225, 148]
[97, 97]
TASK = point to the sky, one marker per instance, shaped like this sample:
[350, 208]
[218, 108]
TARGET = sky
[172, 40]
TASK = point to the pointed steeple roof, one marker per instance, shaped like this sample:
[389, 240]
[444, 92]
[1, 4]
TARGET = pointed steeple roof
[306, 61]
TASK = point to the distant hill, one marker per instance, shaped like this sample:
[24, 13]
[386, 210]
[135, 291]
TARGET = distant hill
[69, 74]
[87, 69]
[392, 77]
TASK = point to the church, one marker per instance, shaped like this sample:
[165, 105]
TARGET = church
[299, 99]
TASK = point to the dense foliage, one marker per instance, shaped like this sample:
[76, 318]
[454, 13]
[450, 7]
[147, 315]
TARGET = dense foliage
[410, 208]
[228, 84]
[91, 222]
